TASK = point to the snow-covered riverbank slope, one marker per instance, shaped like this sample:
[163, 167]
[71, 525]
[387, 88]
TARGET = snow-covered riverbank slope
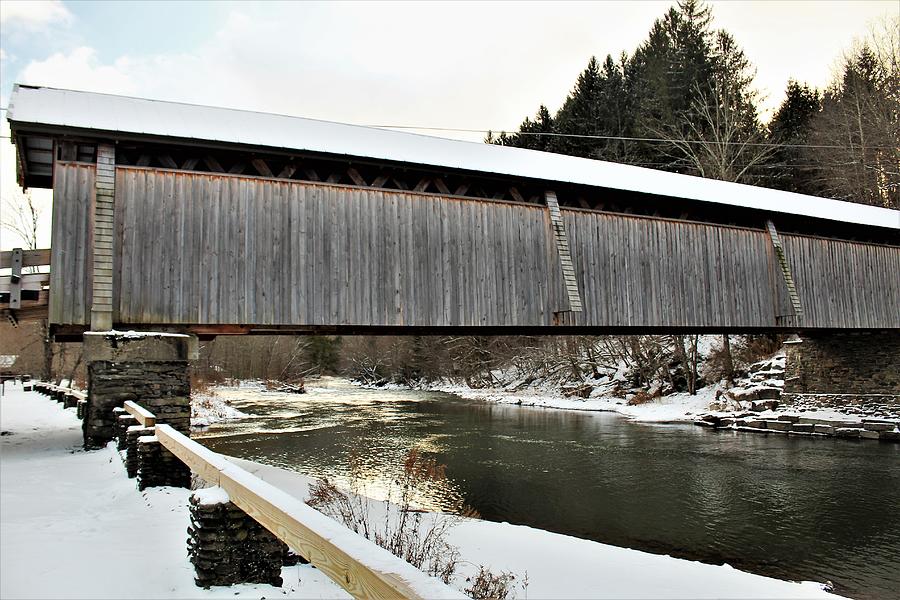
[73, 526]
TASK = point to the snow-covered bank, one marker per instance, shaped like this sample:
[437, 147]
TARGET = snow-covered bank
[214, 405]
[561, 566]
[74, 526]
[666, 409]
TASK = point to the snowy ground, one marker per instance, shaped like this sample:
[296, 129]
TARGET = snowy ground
[667, 409]
[73, 526]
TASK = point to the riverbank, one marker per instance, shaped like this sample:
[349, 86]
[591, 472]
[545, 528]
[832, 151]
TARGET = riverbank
[73, 526]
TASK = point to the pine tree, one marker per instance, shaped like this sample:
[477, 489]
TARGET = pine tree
[790, 167]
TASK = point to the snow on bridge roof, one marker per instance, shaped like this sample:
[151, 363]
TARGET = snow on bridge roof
[139, 116]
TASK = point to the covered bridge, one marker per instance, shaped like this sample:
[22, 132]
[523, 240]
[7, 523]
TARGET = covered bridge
[217, 221]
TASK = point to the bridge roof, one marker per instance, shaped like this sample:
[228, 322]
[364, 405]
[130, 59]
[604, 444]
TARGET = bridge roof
[138, 117]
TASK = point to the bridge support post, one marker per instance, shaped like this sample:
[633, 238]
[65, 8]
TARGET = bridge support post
[148, 368]
[857, 370]
[227, 546]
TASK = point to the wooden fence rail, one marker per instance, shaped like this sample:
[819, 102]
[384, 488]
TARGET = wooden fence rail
[143, 416]
[358, 565]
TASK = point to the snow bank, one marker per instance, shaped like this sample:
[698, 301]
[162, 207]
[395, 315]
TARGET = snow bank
[210, 408]
[74, 526]
[59, 501]
[561, 566]
[680, 407]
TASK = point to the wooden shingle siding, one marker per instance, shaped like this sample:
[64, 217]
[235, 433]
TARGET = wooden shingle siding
[197, 248]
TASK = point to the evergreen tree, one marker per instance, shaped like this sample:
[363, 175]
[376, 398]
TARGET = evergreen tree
[790, 166]
[580, 114]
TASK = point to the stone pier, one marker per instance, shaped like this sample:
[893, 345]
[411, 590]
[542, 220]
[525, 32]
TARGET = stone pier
[227, 546]
[859, 370]
[148, 368]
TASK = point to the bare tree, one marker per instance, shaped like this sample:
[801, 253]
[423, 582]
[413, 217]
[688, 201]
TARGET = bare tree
[858, 130]
[20, 217]
[717, 141]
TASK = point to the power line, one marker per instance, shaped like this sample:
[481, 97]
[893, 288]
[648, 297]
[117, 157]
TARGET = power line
[623, 138]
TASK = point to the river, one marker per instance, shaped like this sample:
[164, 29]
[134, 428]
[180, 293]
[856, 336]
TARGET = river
[788, 507]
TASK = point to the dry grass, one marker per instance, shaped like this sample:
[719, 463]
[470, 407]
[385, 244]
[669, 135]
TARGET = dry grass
[420, 539]
[485, 585]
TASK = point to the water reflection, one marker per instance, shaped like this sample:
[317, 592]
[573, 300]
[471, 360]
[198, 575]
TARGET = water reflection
[783, 506]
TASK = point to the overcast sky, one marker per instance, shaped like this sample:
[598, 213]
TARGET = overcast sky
[465, 65]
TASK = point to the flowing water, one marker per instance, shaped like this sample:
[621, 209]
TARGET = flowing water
[788, 507]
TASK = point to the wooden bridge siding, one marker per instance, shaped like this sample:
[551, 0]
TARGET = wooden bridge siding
[845, 284]
[271, 252]
[71, 257]
[200, 248]
[641, 271]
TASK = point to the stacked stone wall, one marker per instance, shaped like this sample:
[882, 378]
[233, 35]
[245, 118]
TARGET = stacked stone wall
[132, 459]
[227, 546]
[158, 467]
[150, 369]
[855, 364]
[161, 387]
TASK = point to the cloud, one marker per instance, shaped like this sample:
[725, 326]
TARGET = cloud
[80, 69]
[34, 14]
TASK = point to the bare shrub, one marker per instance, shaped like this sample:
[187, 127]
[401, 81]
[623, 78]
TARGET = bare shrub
[418, 539]
[753, 348]
[487, 586]
[643, 397]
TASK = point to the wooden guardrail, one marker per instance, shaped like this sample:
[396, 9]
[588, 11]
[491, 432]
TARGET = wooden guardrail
[68, 396]
[143, 416]
[23, 291]
[29, 258]
[358, 565]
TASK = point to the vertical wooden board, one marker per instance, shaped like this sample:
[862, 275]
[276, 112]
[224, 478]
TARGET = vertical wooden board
[420, 252]
[293, 233]
[489, 252]
[323, 257]
[354, 287]
[504, 265]
[128, 274]
[185, 192]
[437, 240]
[312, 258]
[233, 252]
[301, 259]
[512, 226]
[165, 246]
[368, 236]
[397, 264]
[464, 279]
[70, 246]
[384, 235]
[276, 281]
[587, 247]
[57, 308]
[618, 274]
[410, 280]
[83, 253]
